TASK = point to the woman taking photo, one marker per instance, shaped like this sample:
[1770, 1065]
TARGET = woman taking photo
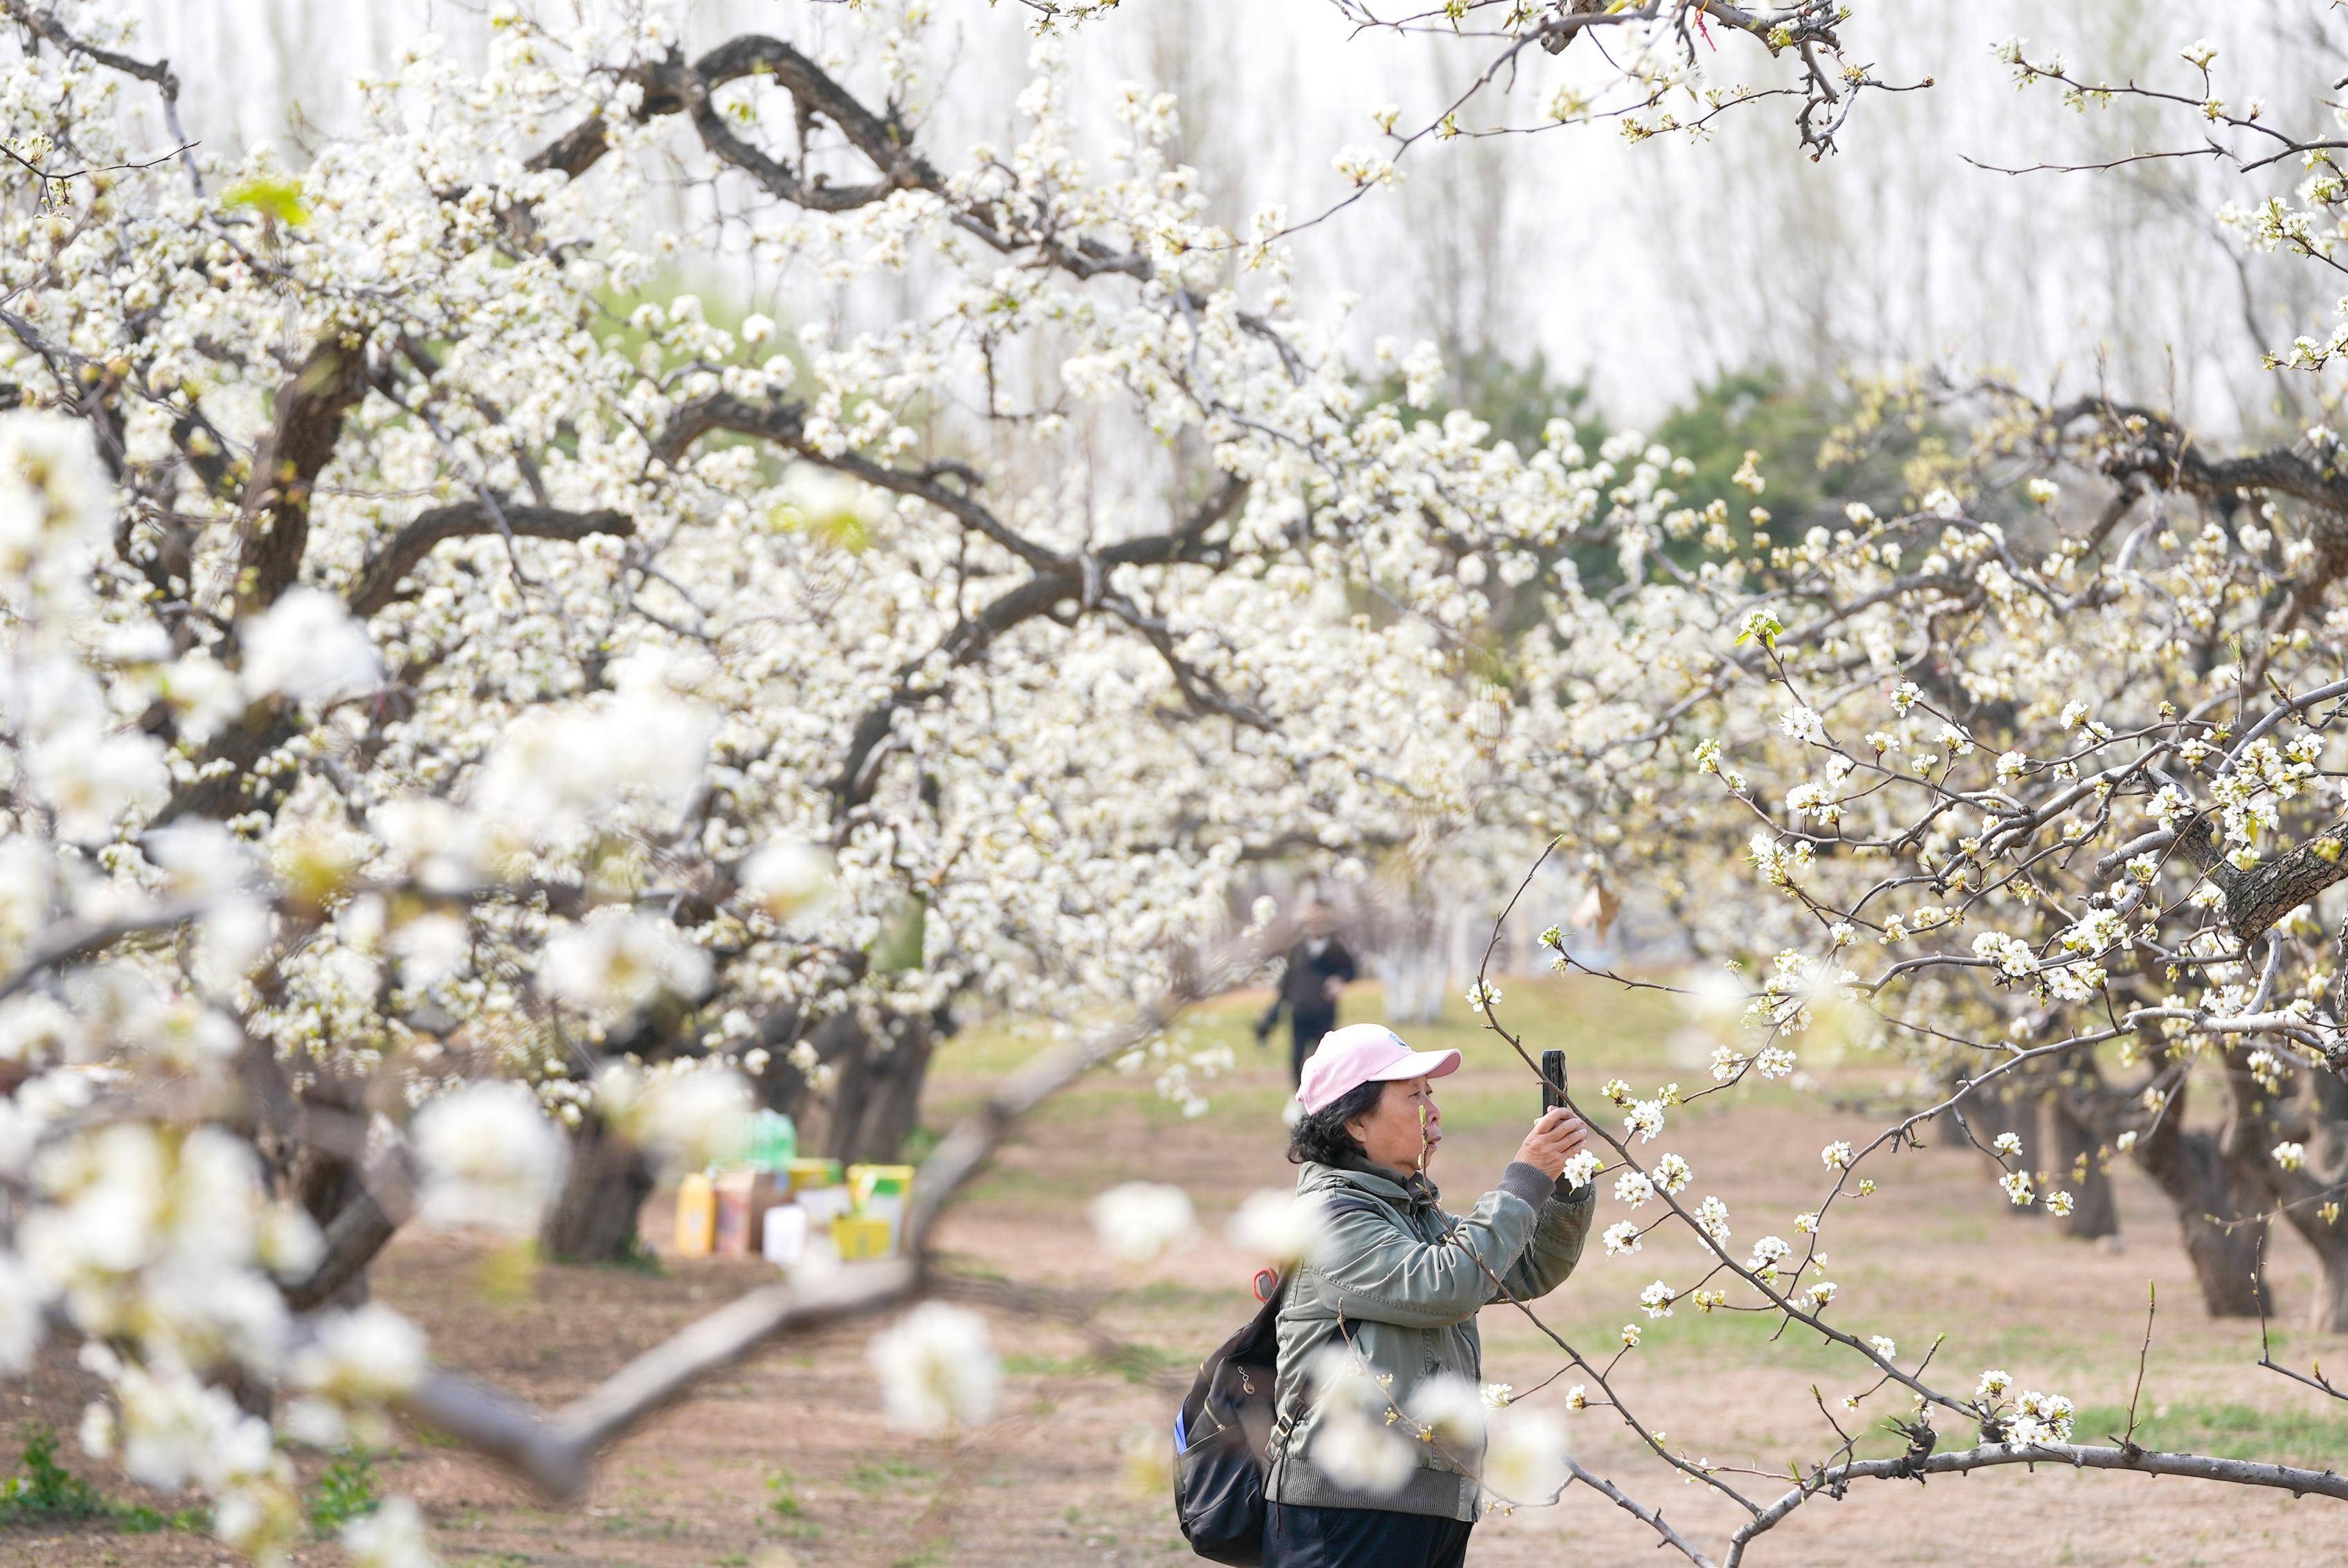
[1396, 1288]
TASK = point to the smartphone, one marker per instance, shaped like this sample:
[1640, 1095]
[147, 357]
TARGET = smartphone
[1552, 1078]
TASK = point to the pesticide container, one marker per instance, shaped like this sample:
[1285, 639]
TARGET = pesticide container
[822, 1205]
[744, 1197]
[696, 1216]
[860, 1236]
[881, 1191]
[773, 1141]
[786, 1237]
[807, 1173]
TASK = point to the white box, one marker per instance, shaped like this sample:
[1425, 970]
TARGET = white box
[786, 1233]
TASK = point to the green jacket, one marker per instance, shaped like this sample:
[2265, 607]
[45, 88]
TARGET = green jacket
[1398, 1277]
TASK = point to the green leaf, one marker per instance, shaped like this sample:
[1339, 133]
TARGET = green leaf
[277, 197]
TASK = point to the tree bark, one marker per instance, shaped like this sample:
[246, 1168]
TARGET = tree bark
[2000, 1107]
[2328, 1314]
[330, 1187]
[593, 1220]
[2207, 1191]
[876, 1102]
[2075, 1147]
[2319, 1119]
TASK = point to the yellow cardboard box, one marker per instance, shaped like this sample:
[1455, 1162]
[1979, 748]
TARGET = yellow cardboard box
[860, 1236]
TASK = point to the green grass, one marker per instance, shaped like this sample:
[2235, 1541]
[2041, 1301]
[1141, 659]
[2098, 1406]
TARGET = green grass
[1134, 1363]
[636, 1257]
[888, 1474]
[45, 1488]
[344, 1491]
[928, 1555]
[790, 1514]
[2224, 1431]
[44, 1491]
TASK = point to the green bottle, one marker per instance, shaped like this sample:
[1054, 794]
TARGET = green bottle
[773, 1141]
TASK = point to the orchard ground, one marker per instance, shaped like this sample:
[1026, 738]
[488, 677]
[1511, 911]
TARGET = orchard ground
[786, 1461]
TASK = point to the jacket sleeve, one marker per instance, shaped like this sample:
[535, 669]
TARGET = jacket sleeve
[1380, 1273]
[1555, 1246]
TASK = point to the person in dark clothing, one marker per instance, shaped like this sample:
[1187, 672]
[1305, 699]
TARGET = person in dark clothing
[1319, 968]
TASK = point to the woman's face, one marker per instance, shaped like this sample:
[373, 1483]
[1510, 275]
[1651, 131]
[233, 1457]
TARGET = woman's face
[1400, 1133]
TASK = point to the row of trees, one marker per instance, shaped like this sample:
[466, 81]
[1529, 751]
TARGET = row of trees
[473, 721]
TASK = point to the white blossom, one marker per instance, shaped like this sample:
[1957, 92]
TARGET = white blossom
[1140, 1220]
[937, 1368]
[490, 1158]
[1279, 1226]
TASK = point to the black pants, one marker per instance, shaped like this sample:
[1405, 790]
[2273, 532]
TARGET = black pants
[1299, 1537]
[1306, 1030]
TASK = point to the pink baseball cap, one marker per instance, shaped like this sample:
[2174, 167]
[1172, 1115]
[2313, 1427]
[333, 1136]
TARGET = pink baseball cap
[1357, 1054]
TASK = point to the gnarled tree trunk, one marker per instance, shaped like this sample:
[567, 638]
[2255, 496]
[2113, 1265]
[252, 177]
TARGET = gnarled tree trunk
[2076, 1158]
[2311, 1198]
[2208, 1190]
[594, 1219]
[875, 1102]
[2003, 1105]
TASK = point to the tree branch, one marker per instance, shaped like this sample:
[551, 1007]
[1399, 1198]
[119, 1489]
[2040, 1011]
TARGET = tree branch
[853, 784]
[274, 527]
[671, 86]
[380, 579]
[2145, 1461]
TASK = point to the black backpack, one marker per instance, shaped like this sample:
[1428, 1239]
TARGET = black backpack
[1222, 1436]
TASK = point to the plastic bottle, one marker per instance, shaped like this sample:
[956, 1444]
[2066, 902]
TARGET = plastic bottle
[773, 1141]
[696, 1216]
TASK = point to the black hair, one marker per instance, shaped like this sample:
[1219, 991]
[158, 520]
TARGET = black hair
[1320, 1136]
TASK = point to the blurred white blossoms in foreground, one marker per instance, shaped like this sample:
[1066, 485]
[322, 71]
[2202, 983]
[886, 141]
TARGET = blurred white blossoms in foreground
[789, 878]
[490, 1158]
[687, 1114]
[23, 1305]
[1142, 1220]
[306, 647]
[393, 1536]
[616, 961]
[558, 772]
[1360, 1450]
[1278, 1225]
[937, 1368]
[1528, 1460]
[1449, 1411]
[1357, 1442]
[366, 1355]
